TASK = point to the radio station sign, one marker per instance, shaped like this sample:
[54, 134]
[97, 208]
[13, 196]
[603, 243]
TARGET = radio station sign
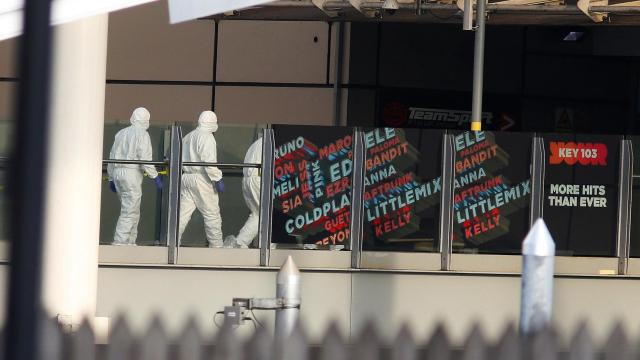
[581, 192]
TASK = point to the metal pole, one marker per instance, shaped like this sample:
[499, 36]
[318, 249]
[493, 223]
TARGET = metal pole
[266, 196]
[337, 68]
[445, 232]
[478, 68]
[357, 197]
[288, 289]
[625, 199]
[27, 183]
[536, 297]
[175, 182]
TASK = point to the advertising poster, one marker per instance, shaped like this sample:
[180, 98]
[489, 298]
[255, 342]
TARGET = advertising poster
[402, 189]
[312, 186]
[581, 193]
[492, 191]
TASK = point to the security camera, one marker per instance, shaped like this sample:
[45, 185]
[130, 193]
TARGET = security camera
[390, 6]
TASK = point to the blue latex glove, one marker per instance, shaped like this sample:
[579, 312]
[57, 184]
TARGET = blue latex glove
[112, 186]
[219, 185]
[158, 182]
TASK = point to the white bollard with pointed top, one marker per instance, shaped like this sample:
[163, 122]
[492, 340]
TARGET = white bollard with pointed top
[536, 297]
[287, 289]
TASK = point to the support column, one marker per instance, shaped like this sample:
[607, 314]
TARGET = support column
[72, 213]
[478, 67]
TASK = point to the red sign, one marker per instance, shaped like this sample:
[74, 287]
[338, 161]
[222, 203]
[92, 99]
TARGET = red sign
[571, 153]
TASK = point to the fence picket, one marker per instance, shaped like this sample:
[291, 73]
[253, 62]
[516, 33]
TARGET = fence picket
[51, 339]
[438, 347]
[227, 344]
[260, 346]
[367, 346]
[475, 347]
[3, 340]
[83, 343]
[617, 346]
[57, 343]
[544, 345]
[333, 345]
[154, 344]
[190, 342]
[295, 347]
[120, 341]
[581, 347]
[404, 346]
[508, 347]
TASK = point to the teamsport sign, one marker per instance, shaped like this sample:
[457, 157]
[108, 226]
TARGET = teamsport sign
[581, 192]
[312, 185]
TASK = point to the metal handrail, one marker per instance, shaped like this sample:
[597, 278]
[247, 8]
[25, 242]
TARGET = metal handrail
[165, 163]
[223, 165]
[134, 162]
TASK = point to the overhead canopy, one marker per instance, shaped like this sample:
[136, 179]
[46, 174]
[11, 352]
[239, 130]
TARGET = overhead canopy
[62, 11]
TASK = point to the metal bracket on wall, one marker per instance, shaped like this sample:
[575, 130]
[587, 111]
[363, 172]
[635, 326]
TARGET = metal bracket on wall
[446, 201]
[357, 198]
[585, 7]
[175, 178]
[320, 4]
[624, 206]
[537, 179]
[266, 195]
[357, 4]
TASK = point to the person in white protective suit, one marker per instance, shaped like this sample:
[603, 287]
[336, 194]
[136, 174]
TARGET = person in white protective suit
[251, 192]
[131, 143]
[201, 184]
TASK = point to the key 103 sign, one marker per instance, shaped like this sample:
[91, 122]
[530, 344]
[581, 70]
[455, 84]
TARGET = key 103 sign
[571, 153]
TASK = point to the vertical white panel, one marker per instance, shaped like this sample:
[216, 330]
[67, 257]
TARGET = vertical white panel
[75, 166]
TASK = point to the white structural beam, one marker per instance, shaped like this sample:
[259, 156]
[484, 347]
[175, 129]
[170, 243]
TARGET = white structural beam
[184, 10]
[62, 11]
[72, 208]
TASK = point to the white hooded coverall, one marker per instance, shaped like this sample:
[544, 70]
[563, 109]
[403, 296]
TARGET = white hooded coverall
[131, 143]
[251, 192]
[198, 181]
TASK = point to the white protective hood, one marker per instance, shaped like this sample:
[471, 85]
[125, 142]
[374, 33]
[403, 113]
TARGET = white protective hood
[208, 121]
[140, 118]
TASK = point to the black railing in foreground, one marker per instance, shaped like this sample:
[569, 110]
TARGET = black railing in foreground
[191, 344]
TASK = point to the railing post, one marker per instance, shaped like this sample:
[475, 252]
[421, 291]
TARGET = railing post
[175, 178]
[624, 205]
[446, 201]
[537, 179]
[266, 196]
[357, 198]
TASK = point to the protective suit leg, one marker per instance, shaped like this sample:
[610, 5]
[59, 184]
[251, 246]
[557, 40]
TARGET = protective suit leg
[251, 192]
[206, 199]
[129, 185]
[187, 204]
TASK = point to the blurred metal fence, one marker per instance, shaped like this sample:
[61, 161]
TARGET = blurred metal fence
[59, 343]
